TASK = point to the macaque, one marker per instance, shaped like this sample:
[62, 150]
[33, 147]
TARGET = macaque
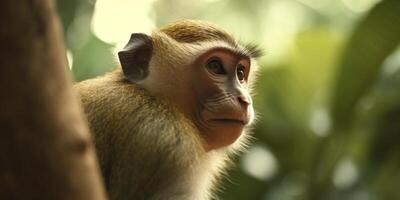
[166, 123]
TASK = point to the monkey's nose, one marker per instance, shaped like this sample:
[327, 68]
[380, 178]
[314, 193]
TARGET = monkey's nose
[244, 101]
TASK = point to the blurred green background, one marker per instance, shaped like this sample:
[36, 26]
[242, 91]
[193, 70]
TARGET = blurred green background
[328, 96]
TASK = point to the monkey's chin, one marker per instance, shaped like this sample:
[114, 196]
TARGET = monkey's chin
[222, 134]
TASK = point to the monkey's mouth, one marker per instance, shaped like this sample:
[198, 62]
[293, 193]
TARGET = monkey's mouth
[231, 121]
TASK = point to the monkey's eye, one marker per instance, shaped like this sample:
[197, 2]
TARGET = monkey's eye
[240, 72]
[216, 67]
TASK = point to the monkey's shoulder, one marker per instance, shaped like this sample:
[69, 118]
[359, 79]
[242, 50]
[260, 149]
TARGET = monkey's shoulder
[109, 89]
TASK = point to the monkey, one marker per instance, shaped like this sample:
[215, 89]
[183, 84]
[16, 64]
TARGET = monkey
[168, 121]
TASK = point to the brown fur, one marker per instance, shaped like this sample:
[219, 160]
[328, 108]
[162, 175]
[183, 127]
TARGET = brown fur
[191, 31]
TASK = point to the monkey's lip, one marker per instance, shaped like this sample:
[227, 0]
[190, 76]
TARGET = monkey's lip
[231, 121]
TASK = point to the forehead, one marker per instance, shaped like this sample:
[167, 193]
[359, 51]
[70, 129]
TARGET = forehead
[195, 36]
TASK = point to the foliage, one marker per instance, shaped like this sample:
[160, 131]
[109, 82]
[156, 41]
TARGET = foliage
[328, 96]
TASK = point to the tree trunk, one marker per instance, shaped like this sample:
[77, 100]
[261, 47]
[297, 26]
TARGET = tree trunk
[45, 147]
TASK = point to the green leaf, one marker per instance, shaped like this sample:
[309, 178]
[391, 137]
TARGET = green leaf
[375, 37]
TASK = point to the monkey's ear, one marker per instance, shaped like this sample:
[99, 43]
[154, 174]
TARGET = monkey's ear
[136, 56]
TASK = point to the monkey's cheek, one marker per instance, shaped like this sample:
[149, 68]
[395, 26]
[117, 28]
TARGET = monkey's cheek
[223, 135]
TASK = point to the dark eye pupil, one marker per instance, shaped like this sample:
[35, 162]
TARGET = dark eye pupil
[216, 67]
[240, 73]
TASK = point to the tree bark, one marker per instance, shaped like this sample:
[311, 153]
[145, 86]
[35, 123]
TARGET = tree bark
[45, 148]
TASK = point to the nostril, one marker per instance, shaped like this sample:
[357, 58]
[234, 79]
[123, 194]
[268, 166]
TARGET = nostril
[244, 100]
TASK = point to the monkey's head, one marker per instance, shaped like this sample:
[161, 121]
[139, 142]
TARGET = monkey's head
[203, 70]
